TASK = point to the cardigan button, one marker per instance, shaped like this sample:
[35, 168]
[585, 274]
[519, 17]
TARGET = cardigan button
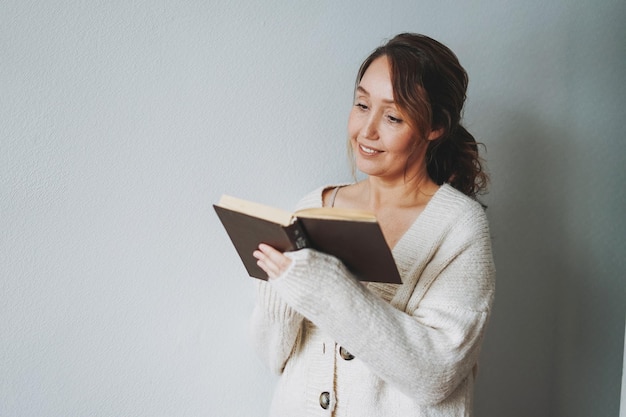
[325, 400]
[345, 354]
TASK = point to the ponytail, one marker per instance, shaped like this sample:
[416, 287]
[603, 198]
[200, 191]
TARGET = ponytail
[454, 159]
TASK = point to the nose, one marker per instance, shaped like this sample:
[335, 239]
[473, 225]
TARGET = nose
[370, 128]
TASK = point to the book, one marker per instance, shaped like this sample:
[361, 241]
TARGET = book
[355, 237]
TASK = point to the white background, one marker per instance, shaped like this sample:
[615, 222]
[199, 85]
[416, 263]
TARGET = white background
[121, 122]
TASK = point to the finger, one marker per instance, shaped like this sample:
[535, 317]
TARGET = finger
[266, 264]
[275, 261]
[277, 257]
[267, 249]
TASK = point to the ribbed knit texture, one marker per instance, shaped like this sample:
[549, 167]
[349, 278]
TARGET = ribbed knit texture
[415, 344]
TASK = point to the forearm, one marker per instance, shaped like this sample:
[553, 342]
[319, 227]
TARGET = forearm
[274, 327]
[426, 354]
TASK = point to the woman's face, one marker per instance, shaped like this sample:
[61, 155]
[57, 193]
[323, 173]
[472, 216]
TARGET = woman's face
[384, 144]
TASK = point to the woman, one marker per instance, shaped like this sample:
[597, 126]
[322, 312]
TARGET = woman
[342, 348]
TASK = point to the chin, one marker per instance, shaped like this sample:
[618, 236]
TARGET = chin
[367, 168]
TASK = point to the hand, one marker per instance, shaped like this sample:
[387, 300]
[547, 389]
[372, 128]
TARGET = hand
[273, 262]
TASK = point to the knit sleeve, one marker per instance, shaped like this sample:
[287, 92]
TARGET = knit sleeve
[274, 327]
[426, 352]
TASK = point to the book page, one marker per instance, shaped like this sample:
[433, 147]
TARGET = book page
[259, 210]
[333, 213]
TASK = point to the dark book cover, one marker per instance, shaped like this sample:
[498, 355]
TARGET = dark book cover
[248, 232]
[360, 245]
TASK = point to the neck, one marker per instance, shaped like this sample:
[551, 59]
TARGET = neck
[406, 192]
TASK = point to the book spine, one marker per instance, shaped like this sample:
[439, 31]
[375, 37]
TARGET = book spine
[297, 236]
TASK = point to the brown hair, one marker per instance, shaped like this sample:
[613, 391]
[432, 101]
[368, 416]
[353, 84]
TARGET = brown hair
[429, 86]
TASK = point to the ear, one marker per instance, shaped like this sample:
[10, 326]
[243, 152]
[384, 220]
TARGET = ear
[435, 134]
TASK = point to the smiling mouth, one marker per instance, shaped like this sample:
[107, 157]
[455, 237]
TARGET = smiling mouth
[368, 151]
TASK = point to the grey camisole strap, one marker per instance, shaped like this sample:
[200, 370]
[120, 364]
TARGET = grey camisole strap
[333, 196]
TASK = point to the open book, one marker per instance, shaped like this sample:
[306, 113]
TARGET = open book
[352, 236]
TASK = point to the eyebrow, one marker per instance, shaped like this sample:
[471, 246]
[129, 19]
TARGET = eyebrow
[364, 91]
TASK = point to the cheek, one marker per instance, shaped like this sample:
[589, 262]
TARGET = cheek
[408, 142]
[356, 123]
[416, 149]
[352, 126]
[405, 145]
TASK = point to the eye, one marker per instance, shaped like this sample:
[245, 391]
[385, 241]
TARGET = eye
[361, 106]
[393, 119]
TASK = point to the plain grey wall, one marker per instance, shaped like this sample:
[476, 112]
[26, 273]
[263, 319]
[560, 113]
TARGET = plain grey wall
[622, 408]
[122, 122]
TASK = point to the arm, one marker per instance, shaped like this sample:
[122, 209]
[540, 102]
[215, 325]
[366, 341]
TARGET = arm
[274, 327]
[425, 352]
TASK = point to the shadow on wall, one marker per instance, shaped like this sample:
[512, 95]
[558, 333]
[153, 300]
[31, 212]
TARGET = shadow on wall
[529, 211]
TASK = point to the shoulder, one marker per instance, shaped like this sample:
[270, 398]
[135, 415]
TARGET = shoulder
[451, 215]
[453, 204]
[453, 197]
[315, 198]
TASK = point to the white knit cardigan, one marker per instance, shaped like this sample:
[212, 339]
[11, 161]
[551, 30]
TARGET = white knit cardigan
[415, 345]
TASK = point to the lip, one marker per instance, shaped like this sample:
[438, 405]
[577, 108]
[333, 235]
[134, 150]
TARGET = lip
[366, 150]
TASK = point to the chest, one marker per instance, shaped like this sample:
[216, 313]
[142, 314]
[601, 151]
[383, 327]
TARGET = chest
[394, 224]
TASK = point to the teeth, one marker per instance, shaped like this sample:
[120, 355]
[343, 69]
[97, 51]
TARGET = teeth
[368, 150]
